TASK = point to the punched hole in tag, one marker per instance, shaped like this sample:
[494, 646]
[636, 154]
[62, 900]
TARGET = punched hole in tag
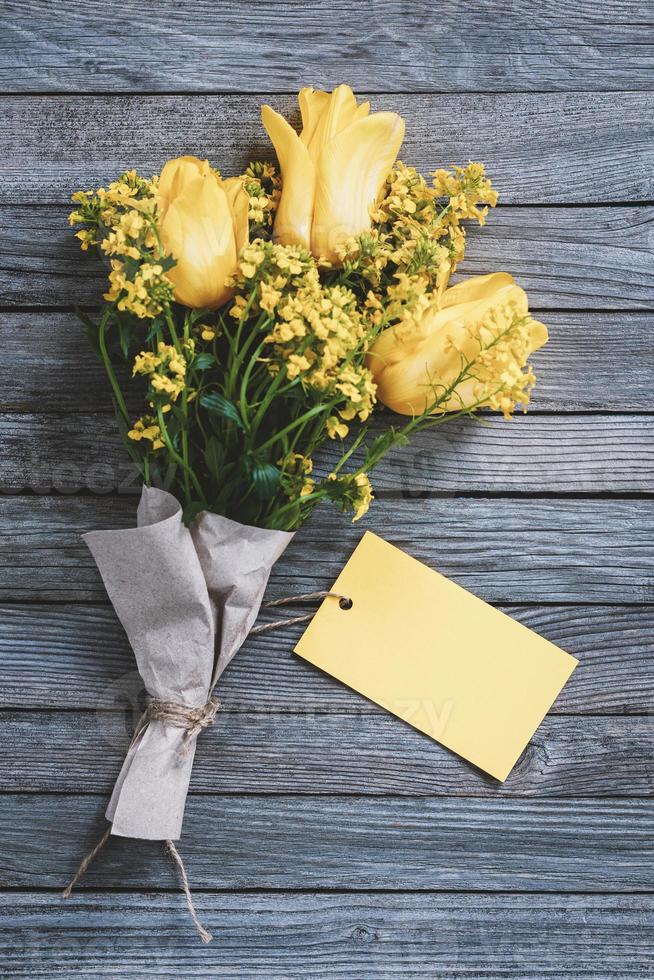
[345, 603]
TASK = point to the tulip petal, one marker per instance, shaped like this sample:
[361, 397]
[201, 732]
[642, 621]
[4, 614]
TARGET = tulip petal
[476, 288]
[176, 174]
[295, 209]
[312, 106]
[539, 335]
[336, 114]
[351, 172]
[198, 231]
[239, 203]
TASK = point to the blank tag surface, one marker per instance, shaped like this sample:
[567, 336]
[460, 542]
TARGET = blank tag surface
[436, 656]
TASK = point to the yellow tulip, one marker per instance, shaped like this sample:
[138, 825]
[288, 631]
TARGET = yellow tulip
[333, 172]
[483, 322]
[203, 224]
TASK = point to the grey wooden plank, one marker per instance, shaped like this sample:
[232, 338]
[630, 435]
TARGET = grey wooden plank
[331, 753]
[339, 937]
[531, 454]
[505, 550]
[43, 646]
[406, 48]
[565, 257]
[536, 149]
[284, 842]
[593, 362]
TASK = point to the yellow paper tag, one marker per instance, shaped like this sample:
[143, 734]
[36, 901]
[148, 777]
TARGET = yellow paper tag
[436, 656]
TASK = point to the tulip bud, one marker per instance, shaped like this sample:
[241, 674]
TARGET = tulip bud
[203, 224]
[469, 350]
[333, 172]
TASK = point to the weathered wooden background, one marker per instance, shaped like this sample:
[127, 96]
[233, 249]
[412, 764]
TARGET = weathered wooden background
[324, 837]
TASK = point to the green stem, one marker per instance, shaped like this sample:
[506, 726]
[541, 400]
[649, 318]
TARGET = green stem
[172, 452]
[238, 356]
[108, 366]
[186, 467]
[170, 322]
[353, 448]
[316, 410]
[245, 380]
[292, 505]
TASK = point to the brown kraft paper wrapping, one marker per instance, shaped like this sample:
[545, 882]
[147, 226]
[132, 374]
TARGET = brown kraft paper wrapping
[187, 598]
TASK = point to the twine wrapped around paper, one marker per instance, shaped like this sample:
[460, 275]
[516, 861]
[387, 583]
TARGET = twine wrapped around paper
[187, 598]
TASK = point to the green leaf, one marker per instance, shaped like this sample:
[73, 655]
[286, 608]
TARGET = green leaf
[125, 337]
[265, 477]
[157, 324]
[214, 456]
[199, 314]
[204, 361]
[167, 262]
[91, 331]
[219, 405]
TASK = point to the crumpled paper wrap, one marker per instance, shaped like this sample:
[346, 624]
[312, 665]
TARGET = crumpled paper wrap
[187, 598]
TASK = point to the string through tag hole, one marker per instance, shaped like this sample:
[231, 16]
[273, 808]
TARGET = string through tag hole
[345, 603]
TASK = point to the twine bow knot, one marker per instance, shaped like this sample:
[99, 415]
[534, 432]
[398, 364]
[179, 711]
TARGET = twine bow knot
[193, 720]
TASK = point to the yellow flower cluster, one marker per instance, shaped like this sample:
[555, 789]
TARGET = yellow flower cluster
[295, 475]
[467, 188]
[143, 291]
[147, 428]
[103, 208]
[317, 333]
[263, 187]
[281, 269]
[121, 219]
[352, 491]
[417, 240]
[500, 377]
[165, 369]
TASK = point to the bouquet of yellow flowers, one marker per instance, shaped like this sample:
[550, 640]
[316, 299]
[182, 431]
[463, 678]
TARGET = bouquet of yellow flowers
[252, 320]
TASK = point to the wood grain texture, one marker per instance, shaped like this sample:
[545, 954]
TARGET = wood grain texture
[43, 647]
[531, 454]
[329, 937]
[371, 753]
[404, 47]
[566, 148]
[594, 362]
[275, 842]
[505, 550]
[595, 258]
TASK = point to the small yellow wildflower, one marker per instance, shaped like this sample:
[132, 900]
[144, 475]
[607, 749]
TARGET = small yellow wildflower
[364, 497]
[147, 428]
[166, 368]
[336, 428]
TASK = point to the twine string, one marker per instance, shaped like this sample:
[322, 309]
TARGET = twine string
[194, 721]
[84, 863]
[289, 600]
[172, 851]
